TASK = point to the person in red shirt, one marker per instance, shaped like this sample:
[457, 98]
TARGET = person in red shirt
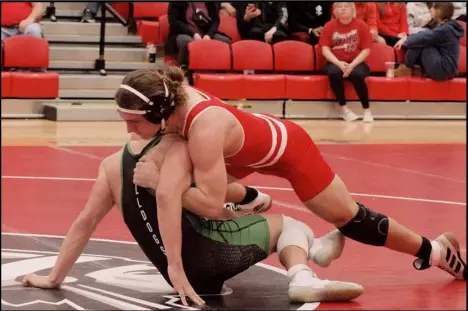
[392, 21]
[367, 12]
[346, 43]
[22, 18]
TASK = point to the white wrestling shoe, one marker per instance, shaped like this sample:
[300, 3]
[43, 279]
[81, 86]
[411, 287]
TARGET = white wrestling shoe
[260, 204]
[304, 286]
[445, 255]
[327, 248]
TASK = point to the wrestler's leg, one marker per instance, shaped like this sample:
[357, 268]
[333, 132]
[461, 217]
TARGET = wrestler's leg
[293, 240]
[333, 203]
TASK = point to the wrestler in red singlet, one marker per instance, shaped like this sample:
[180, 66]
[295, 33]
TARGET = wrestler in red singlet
[272, 146]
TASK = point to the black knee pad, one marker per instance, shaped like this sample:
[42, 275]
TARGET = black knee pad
[367, 227]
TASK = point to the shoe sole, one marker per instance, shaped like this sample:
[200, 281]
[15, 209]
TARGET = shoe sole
[306, 294]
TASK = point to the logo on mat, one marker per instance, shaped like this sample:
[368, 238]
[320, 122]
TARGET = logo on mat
[117, 275]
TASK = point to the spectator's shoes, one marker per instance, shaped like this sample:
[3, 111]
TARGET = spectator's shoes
[88, 17]
[349, 116]
[445, 255]
[367, 117]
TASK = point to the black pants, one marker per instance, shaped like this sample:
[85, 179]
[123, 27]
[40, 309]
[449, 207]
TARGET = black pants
[257, 33]
[357, 78]
[390, 40]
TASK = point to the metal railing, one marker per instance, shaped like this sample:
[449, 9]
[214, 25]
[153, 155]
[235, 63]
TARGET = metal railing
[100, 63]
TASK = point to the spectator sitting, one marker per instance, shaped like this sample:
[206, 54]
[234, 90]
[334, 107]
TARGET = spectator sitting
[190, 21]
[459, 12]
[346, 43]
[367, 12]
[227, 9]
[436, 51]
[418, 16]
[392, 21]
[22, 18]
[262, 21]
[306, 19]
[89, 13]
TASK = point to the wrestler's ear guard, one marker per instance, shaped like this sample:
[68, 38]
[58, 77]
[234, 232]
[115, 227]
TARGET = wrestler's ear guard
[156, 114]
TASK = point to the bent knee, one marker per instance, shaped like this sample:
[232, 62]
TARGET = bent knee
[34, 29]
[275, 225]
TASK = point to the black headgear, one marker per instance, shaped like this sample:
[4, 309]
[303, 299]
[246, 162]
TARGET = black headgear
[152, 112]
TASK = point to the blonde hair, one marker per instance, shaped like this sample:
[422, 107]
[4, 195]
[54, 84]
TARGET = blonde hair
[353, 8]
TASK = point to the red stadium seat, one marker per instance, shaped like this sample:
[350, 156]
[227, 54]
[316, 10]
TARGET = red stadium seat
[306, 87]
[383, 88]
[6, 84]
[379, 55]
[209, 55]
[224, 86]
[142, 9]
[457, 91]
[163, 28]
[228, 25]
[26, 52]
[462, 61]
[425, 89]
[264, 86]
[293, 56]
[252, 55]
[320, 60]
[463, 39]
[150, 9]
[34, 85]
[149, 32]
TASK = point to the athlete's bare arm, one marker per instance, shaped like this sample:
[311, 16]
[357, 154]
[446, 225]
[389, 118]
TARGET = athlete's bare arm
[175, 178]
[99, 204]
[206, 147]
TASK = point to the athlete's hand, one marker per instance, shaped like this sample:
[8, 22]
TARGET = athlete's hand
[39, 281]
[146, 174]
[181, 284]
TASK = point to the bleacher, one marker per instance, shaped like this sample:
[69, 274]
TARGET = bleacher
[287, 80]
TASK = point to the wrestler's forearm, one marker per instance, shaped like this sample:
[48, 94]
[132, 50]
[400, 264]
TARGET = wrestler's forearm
[170, 219]
[196, 201]
[71, 249]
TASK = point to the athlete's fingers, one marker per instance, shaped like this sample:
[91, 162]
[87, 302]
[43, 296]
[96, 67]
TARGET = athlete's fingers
[194, 296]
[143, 159]
[182, 297]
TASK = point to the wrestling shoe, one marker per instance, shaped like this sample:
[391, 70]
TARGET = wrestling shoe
[260, 204]
[327, 248]
[304, 286]
[445, 255]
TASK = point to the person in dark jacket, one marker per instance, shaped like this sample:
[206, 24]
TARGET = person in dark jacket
[306, 19]
[262, 21]
[435, 51]
[190, 21]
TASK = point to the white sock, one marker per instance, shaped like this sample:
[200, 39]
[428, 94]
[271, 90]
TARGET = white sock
[435, 254]
[300, 275]
[317, 244]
